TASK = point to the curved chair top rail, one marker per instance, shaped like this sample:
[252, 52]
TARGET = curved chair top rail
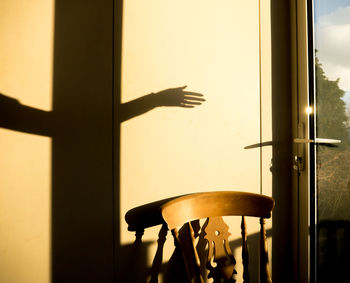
[147, 215]
[211, 204]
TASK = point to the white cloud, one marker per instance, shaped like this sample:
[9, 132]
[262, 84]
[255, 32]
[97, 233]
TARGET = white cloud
[333, 44]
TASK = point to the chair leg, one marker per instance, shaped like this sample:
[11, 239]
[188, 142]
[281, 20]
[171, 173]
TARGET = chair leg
[264, 259]
[245, 255]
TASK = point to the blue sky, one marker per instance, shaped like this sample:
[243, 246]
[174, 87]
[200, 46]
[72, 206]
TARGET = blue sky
[323, 7]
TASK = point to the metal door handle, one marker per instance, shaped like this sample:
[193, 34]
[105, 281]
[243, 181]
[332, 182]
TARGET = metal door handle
[301, 141]
[317, 140]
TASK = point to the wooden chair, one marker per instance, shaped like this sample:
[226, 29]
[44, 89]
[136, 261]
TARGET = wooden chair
[212, 206]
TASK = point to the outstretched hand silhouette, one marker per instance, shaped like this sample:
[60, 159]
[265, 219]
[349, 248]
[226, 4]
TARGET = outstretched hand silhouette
[169, 97]
[178, 97]
[17, 116]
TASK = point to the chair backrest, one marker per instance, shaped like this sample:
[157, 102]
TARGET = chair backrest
[213, 205]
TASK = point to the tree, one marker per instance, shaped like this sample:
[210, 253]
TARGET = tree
[333, 163]
[331, 115]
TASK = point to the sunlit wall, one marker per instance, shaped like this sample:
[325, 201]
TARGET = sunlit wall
[213, 49]
[210, 47]
[26, 34]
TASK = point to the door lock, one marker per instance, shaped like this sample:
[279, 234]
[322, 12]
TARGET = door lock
[297, 162]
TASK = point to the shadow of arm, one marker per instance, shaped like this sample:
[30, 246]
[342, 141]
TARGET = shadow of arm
[22, 118]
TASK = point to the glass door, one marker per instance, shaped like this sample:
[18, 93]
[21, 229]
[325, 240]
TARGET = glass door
[329, 138]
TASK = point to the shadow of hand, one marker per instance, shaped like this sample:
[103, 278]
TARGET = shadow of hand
[168, 97]
[177, 97]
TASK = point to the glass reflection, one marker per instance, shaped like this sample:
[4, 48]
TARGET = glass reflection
[332, 75]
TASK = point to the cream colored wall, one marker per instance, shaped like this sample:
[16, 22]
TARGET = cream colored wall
[266, 105]
[266, 110]
[26, 32]
[213, 48]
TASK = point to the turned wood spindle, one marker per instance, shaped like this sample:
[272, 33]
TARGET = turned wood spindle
[264, 258]
[245, 255]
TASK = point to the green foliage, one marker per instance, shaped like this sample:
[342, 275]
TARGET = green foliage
[333, 163]
[330, 108]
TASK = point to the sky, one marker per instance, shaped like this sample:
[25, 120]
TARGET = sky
[332, 40]
[324, 7]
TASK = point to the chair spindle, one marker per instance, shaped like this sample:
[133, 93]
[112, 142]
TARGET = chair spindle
[264, 259]
[245, 255]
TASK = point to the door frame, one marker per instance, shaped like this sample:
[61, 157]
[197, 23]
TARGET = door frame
[303, 127]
